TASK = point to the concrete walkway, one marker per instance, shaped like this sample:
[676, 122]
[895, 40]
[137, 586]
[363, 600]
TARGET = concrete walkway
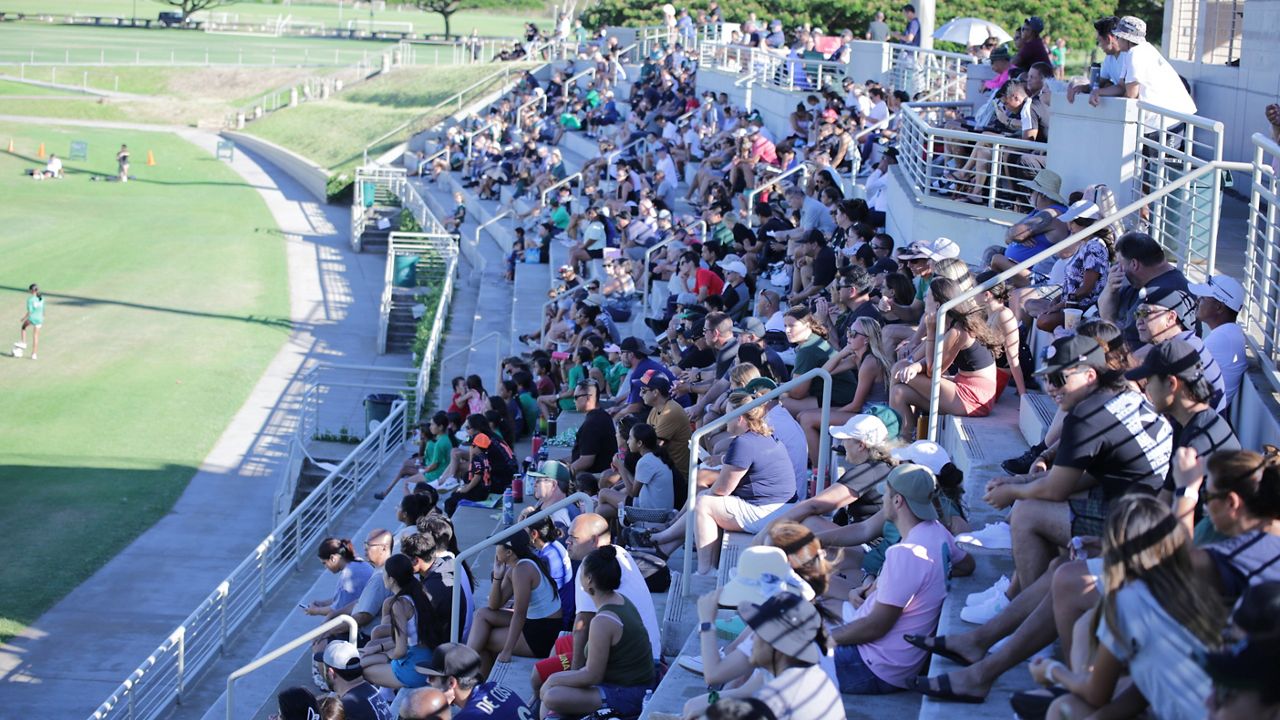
[79, 651]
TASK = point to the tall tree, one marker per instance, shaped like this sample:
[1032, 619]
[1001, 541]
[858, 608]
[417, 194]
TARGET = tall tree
[190, 7]
[445, 9]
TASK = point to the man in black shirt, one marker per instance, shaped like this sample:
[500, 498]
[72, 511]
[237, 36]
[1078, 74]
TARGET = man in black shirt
[815, 266]
[1179, 389]
[1140, 263]
[771, 222]
[597, 441]
[342, 672]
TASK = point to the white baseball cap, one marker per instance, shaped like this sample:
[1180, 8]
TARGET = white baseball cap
[763, 571]
[342, 655]
[734, 266]
[1223, 288]
[923, 452]
[867, 429]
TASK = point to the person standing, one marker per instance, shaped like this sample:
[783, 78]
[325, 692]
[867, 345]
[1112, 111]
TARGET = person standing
[34, 319]
[878, 29]
[122, 164]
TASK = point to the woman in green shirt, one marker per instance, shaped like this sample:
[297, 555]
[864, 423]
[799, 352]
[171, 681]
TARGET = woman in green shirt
[432, 458]
[618, 663]
[34, 319]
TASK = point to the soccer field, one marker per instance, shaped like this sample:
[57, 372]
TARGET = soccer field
[165, 300]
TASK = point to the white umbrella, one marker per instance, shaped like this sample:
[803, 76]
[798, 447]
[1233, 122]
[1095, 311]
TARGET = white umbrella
[970, 31]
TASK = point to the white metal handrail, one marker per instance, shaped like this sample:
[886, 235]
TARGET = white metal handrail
[649, 252]
[471, 136]
[543, 195]
[928, 74]
[1178, 144]
[539, 99]
[436, 337]
[1260, 317]
[478, 263]
[353, 631]
[196, 643]
[824, 452]
[498, 537]
[936, 369]
[803, 168]
[928, 152]
[573, 81]
[497, 366]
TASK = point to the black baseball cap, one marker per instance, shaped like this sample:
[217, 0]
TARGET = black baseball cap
[452, 660]
[1181, 302]
[1068, 352]
[1172, 358]
[635, 345]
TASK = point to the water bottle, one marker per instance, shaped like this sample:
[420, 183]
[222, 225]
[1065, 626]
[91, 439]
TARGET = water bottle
[551, 425]
[537, 442]
[648, 695]
[508, 509]
[517, 488]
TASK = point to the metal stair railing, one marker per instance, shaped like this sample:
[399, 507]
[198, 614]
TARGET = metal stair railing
[803, 168]
[498, 537]
[353, 631]
[824, 452]
[441, 400]
[1208, 170]
[543, 195]
[1260, 316]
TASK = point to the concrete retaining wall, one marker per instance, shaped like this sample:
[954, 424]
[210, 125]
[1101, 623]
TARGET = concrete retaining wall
[309, 175]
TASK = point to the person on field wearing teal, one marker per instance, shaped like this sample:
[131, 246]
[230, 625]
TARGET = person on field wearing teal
[33, 319]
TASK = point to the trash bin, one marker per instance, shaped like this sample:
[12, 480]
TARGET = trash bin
[368, 192]
[377, 407]
[405, 273]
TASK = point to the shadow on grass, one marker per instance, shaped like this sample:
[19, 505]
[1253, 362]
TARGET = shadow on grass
[82, 301]
[105, 177]
[72, 520]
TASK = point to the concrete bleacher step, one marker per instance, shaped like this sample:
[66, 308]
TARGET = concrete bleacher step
[1035, 414]
[982, 442]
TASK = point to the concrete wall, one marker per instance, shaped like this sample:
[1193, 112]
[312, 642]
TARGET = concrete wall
[1256, 409]
[309, 175]
[1238, 95]
[909, 220]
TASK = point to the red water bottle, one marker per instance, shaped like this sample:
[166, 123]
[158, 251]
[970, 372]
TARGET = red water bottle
[517, 488]
[537, 442]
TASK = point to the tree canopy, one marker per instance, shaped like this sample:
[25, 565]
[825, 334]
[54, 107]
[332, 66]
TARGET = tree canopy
[189, 7]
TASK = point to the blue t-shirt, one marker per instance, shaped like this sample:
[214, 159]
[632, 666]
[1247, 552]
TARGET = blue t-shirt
[637, 374]
[1018, 251]
[499, 702]
[770, 477]
[913, 29]
[351, 582]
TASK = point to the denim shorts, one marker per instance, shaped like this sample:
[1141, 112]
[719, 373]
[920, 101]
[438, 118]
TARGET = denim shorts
[854, 675]
[624, 699]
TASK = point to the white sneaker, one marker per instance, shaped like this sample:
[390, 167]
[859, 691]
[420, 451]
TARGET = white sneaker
[995, 536]
[982, 614]
[20, 345]
[1000, 587]
[33, 356]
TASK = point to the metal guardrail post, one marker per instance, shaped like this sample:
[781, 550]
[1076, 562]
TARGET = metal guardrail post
[182, 663]
[352, 632]
[498, 537]
[824, 452]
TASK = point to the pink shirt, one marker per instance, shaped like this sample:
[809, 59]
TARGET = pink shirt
[914, 578]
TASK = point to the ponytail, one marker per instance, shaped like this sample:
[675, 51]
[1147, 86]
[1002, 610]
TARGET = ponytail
[337, 546]
[1254, 477]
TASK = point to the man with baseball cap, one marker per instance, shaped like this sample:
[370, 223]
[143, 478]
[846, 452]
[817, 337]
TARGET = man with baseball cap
[454, 669]
[873, 658]
[637, 354]
[1147, 76]
[1166, 314]
[736, 295]
[342, 672]
[1177, 387]
[671, 423]
[1221, 298]
[1112, 442]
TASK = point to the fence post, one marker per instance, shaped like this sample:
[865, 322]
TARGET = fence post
[222, 611]
[262, 579]
[182, 662]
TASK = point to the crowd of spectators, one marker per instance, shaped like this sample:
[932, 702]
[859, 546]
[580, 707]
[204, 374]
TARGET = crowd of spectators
[1144, 538]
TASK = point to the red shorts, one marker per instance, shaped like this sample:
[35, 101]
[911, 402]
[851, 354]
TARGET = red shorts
[561, 658]
[977, 393]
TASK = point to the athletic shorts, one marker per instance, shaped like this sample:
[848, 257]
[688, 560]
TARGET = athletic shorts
[977, 393]
[541, 634]
[1088, 514]
[752, 518]
[561, 658]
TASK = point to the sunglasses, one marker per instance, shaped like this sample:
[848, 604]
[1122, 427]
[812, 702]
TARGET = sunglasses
[1144, 312]
[1058, 379]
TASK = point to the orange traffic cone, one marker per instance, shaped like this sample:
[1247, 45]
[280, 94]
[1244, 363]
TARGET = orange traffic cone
[151, 159]
[40, 152]
[10, 146]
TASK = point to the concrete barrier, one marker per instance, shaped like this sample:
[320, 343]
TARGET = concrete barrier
[307, 174]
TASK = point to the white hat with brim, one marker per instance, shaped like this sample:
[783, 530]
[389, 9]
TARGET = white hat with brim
[867, 429]
[1132, 29]
[763, 571]
[1082, 210]
[1223, 288]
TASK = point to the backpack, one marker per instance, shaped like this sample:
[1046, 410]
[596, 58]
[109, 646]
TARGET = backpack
[657, 576]
[887, 415]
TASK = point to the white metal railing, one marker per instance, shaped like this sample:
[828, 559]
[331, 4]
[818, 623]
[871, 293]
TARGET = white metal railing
[442, 399]
[572, 82]
[568, 179]
[161, 680]
[1147, 202]
[1170, 145]
[413, 201]
[647, 272]
[928, 154]
[432, 249]
[454, 629]
[1261, 316]
[927, 74]
[368, 179]
[770, 68]
[436, 336]
[353, 631]
[470, 137]
[473, 253]
[824, 452]
[775, 182]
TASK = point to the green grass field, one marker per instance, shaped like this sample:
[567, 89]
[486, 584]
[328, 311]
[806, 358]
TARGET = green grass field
[334, 133]
[497, 20]
[12, 87]
[165, 299]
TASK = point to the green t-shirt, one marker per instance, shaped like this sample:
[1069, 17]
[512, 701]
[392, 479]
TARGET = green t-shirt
[616, 373]
[593, 99]
[570, 121]
[814, 353]
[560, 217]
[529, 406]
[575, 374]
[922, 287]
[722, 235]
[35, 309]
[438, 455]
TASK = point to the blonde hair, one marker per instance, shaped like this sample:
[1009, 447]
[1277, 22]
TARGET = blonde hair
[743, 373]
[754, 418]
[875, 346]
[1143, 541]
[954, 269]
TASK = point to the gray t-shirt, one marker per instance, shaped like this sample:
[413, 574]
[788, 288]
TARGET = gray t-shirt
[879, 30]
[657, 486]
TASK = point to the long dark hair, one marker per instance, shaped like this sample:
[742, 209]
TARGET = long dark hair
[295, 702]
[519, 544]
[968, 315]
[505, 424]
[646, 435]
[400, 569]
[475, 383]
[441, 530]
